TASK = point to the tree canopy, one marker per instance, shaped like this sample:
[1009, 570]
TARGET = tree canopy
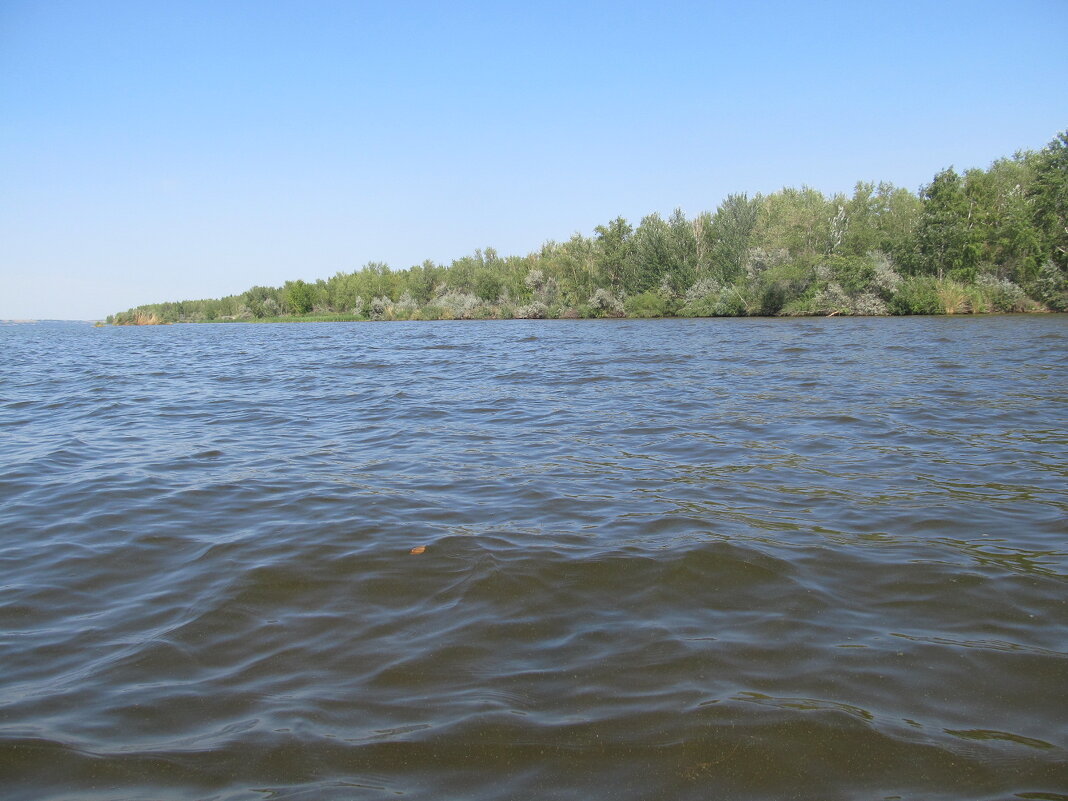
[993, 240]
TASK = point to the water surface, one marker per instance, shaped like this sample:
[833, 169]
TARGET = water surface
[686, 559]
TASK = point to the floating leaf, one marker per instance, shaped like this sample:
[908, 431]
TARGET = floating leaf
[418, 549]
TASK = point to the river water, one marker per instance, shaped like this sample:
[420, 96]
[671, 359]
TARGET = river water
[677, 559]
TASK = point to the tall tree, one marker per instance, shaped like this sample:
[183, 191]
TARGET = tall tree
[946, 238]
[299, 297]
[798, 221]
[652, 253]
[731, 231]
[614, 254]
[1049, 193]
[682, 245]
[1003, 218]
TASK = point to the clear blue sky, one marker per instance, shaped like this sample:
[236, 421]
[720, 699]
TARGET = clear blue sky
[160, 151]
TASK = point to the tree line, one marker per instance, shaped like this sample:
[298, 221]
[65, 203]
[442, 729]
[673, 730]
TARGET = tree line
[993, 240]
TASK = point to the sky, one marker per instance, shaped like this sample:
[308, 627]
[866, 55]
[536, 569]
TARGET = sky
[162, 151]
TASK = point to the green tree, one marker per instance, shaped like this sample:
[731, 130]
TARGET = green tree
[573, 261]
[731, 231]
[614, 254]
[1049, 194]
[798, 221]
[488, 284]
[946, 240]
[1003, 220]
[299, 297]
[652, 253]
[422, 279]
[683, 247]
[261, 301]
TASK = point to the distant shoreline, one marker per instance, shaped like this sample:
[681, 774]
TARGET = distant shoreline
[350, 319]
[982, 241]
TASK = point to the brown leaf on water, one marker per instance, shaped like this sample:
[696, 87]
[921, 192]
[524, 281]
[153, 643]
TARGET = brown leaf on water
[418, 549]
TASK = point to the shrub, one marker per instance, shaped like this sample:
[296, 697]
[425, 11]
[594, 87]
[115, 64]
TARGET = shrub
[953, 297]
[854, 274]
[406, 303]
[704, 288]
[886, 279]
[869, 304]
[773, 298]
[381, 308]
[430, 313]
[832, 299]
[534, 280]
[532, 311]
[998, 294]
[917, 296]
[735, 301]
[1051, 286]
[457, 305]
[780, 284]
[603, 303]
[647, 304]
[757, 260]
[978, 301]
[708, 306]
[701, 299]
[801, 307]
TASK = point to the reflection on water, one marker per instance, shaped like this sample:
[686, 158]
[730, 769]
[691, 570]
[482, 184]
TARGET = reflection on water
[661, 559]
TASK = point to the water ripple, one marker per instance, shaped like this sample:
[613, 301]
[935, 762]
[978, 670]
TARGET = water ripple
[679, 559]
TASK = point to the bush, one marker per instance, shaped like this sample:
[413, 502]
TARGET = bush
[780, 284]
[1000, 294]
[801, 307]
[832, 299]
[458, 305]
[917, 296]
[406, 303]
[868, 304]
[757, 260]
[702, 299]
[736, 301]
[381, 308]
[855, 274]
[429, 313]
[603, 303]
[532, 311]
[773, 298]
[708, 306]
[886, 279]
[703, 289]
[647, 304]
[1051, 286]
[954, 298]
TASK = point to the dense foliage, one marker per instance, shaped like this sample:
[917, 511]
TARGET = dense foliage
[993, 240]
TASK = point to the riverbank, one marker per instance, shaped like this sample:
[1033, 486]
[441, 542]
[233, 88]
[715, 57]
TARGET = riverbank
[929, 298]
